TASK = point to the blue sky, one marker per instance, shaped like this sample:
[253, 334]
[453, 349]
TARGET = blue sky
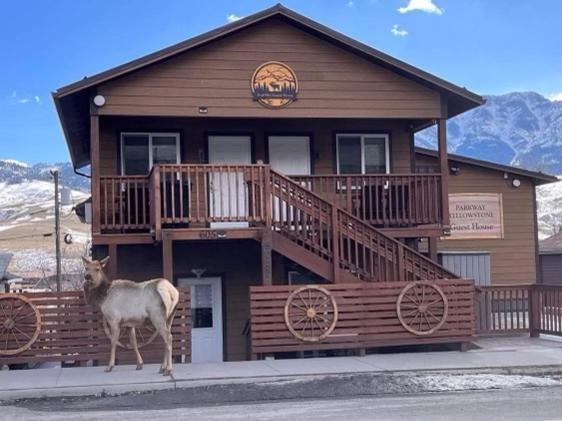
[489, 46]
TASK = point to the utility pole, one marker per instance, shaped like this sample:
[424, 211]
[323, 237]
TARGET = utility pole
[55, 175]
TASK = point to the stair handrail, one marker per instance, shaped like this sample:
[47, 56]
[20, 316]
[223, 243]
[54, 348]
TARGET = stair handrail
[405, 250]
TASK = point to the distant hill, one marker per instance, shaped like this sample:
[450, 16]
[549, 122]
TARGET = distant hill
[15, 172]
[520, 128]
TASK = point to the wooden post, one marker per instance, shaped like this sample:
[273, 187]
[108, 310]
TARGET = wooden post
[335, 246]
[266, 240]
[156, 210]
[401, 266]
[266, 259]
[444, 170]
[167, 260]
[112, 264]
[534, 312]
[432, 248]
[95, 172]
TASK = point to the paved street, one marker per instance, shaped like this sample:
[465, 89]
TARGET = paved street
[542, 403]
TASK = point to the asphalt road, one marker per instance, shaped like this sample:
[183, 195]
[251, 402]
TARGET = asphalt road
[538, 403]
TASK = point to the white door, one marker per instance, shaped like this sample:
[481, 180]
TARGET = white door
[228, 198]
[290, 155]
[206, 319]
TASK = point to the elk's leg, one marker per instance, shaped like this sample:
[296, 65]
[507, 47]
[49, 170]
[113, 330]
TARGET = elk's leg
[115, 331]
[162, 329]
[134, 345]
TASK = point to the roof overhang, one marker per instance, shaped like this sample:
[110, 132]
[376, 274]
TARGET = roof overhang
[537, 177]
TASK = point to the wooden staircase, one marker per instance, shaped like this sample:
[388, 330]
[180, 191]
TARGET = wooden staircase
[336, 245]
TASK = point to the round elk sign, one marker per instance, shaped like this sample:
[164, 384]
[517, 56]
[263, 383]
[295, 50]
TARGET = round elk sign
[274, 85]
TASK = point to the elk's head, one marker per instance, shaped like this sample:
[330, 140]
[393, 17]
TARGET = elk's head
[94, 275]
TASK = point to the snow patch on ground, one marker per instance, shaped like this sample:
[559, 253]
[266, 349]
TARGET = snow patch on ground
[441, 383]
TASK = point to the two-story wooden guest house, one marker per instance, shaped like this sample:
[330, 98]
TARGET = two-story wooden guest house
[274, 151]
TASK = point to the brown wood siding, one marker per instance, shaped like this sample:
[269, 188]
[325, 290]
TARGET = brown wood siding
[551, 268]
[332, 81]
[193, 133]
[512, 258]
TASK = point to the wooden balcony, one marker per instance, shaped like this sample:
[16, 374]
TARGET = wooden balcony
[316, 232]
[382, 200]
[200, 195]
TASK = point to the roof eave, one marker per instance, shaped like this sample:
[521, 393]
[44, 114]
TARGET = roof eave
[539, 177]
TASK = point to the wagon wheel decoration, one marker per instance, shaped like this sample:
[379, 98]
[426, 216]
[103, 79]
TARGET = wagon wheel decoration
[20, 324]
[422, 308]
[145, 335]
[311, 313]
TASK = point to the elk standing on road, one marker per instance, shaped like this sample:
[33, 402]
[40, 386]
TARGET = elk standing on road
[127, 304]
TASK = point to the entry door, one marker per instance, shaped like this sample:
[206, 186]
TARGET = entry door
[228, 198]
[290, 155]
[206, 319]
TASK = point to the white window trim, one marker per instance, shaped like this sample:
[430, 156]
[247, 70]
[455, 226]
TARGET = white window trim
[150, 136]
[363, 136]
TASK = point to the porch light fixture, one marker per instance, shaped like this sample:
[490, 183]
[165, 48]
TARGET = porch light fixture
[203, 110]
[99, 100]
[455, 170]
[516, 182]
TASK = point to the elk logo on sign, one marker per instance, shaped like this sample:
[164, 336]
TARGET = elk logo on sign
[274, 85]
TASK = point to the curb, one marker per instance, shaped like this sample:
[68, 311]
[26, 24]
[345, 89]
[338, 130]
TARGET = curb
[207, 391]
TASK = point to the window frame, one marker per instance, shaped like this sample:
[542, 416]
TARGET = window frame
[150, 135]
[362, 136]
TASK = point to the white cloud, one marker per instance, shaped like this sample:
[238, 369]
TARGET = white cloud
[350, 3]
[232, 18]
[422, 5]
[555, 97]
[397, 31]
[24, 99]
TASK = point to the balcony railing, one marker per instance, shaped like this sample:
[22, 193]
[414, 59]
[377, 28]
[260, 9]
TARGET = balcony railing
[201, 194]
[382, 200]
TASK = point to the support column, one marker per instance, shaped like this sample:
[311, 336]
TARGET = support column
[95, 172]
[167, 260]
[444, 170]
[432, 248]
[112, 264]
[266, 258]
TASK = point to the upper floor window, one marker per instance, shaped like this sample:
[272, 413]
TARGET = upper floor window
[140, 151]
[362, 153]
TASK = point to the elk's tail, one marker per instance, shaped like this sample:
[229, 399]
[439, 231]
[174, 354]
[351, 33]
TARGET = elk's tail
[170, 297]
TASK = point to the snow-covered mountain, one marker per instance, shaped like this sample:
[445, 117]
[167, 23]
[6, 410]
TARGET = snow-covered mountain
[549, 200]
[14, 172]
[519, 128]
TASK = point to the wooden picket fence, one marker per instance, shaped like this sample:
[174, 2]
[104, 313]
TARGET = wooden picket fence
[72, 331]
[509, 309]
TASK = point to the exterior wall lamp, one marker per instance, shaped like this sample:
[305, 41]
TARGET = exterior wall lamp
[99, 100]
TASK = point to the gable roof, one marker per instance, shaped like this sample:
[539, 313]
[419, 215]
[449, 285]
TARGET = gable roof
[537, 177]
[69, 99]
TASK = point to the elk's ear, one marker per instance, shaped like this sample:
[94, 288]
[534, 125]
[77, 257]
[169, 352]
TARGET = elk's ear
[104, 261]
[86, 261]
